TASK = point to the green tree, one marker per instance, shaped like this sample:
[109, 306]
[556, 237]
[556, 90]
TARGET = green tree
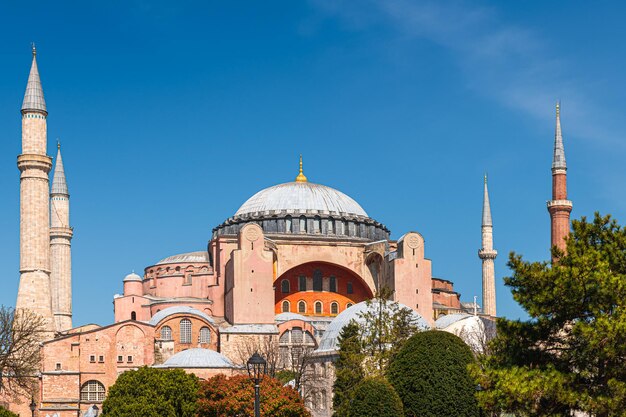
[348, 366]
[385, 326]
[431, 377]
[222, 396]
[374, 397]
[6, 413]
[570, 355]
[152, 392]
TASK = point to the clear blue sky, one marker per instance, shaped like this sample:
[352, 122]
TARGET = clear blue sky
[172, 114]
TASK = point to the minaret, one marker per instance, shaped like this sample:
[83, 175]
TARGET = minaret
[559, 207]
[34, 165]
[60, 248]
[488, 255]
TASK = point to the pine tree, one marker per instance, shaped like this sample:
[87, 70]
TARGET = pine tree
[348, 367]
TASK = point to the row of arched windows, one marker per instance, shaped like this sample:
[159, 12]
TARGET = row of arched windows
[185, 333]
[340, 227]
[318, 307]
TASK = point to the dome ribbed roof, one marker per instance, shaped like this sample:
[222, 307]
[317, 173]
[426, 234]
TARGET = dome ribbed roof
[200, 256]
[299, 197]
[197, 358]
[170, 311]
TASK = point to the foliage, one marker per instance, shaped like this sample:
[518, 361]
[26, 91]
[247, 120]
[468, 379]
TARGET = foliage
[285, 376]
[570, 354]
[385, 327]
[431, 377]
[348, 366]
[374, 397]
[6, 413]
[221, 396]
[152, 392]
[20, 334]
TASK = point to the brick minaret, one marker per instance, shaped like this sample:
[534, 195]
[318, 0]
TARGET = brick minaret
[34, 165]
[559, 207]
[60, 248]
[488, 254]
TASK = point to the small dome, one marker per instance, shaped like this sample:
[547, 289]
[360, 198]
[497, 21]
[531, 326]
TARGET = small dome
[300, 197]
[475, 331]
[132, 277]
[189, 257]
[329, 341]
[170, 311]
[197, 358]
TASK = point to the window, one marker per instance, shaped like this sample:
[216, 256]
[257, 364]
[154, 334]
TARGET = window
[288, 227]
[318, 307]
[332, 284]
[120, 359]
[302, 224]
[301, 307]
[133, 316]
[185, 331]
[284, 286]
[317, 225]
[130, 359]
[350, 289]
[92, 358]
[205, 335]
[101, 358]
[334, 308]
[58, 367]
[92, 391]
[317, 280]
[331, 226]
[285, 308]
[348, 305]
[166, 333]
[302, 283]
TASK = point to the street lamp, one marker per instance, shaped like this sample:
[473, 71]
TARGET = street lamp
[32, 406]
[257, 367]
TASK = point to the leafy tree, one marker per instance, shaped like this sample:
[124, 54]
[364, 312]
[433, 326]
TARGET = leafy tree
[348, 366]
[374, 397]
[6, 413]
[384, 329]
[20, 334]
[571, 354]
[222, 396]
[152, 392]
[431, 377]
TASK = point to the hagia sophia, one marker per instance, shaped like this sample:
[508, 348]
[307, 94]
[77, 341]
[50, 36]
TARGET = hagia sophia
[291, 266]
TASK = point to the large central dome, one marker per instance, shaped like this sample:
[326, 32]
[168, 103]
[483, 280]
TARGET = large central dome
[297, 197]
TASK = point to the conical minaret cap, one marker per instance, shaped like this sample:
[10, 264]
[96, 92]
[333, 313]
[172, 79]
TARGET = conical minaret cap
[558, 161]
[486, 207]
[33, 98]
[59, 184]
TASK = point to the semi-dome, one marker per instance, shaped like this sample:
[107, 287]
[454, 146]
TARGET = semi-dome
[301, 197]
[330, 343]
[197, 358]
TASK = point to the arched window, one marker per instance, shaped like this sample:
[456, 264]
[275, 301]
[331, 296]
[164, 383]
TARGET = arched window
[288, 226]
[334, 308]
[318, 307]
[317, 280]
[166, 333]
[205, 335]
[285, 306]
[133, 315]
[284, 286]
[302, 224]
[317, 225]
[185, 331]
[332, 284]
[302, 283]
[92, 391]
[331, 226]
[301, 307]
[348, 305]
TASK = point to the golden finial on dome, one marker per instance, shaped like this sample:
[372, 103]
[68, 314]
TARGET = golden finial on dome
[301, 177]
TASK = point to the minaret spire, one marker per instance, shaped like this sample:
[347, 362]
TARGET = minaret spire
[33, 97]
[488, 254]
[559, 207]
[60, 247]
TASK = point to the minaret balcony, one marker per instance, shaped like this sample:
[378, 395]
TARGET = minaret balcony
[487, 253]
[559, 203]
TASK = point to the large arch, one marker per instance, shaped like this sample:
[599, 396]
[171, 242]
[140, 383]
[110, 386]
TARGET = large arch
[317, 283]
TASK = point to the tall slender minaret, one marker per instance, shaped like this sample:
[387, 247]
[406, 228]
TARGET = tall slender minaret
[60, 248]
[559, 207]
[488, 254]
[34, 165]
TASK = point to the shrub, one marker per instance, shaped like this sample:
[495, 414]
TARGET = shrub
[374, 397]
[430, 374]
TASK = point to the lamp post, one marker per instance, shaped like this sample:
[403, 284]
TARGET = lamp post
[257, 367]
[32, 406]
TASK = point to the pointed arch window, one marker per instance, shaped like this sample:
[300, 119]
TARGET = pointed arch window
[185, 331]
